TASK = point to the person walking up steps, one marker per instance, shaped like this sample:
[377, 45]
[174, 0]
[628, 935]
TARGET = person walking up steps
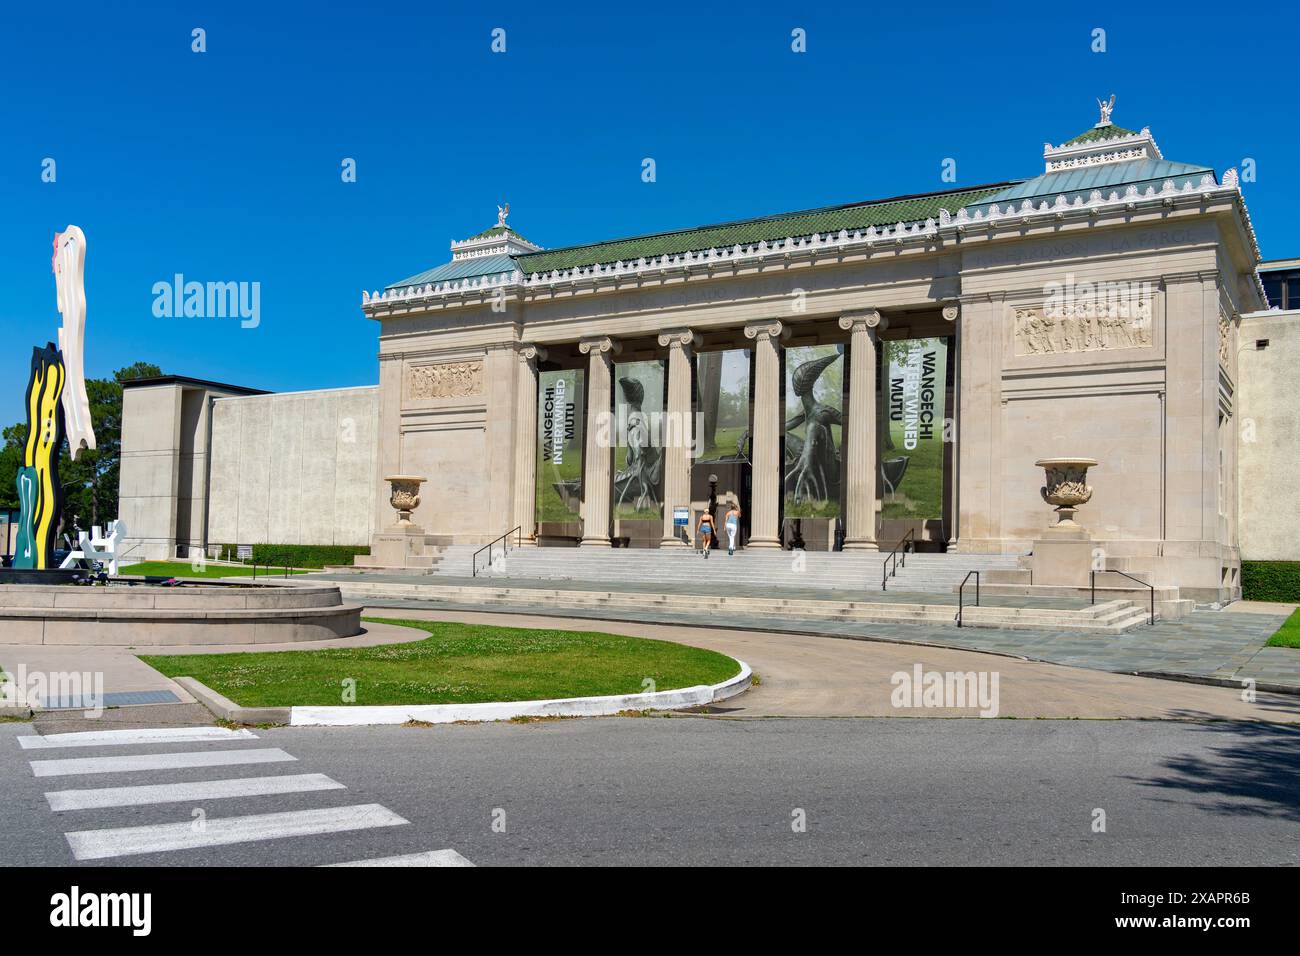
[706, 532]
[732, 523]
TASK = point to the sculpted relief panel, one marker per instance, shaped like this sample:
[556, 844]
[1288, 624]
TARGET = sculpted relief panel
[1083, 326]
[444, 380]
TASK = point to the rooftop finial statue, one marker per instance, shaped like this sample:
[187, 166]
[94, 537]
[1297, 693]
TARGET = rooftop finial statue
[502, 212]
[1106, 108]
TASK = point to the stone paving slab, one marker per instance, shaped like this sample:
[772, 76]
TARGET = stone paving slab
[1206, 646]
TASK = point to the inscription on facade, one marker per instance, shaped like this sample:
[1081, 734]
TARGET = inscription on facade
[1085, 326]
[445, 380]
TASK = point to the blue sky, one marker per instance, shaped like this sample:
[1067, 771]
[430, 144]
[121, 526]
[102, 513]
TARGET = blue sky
[225, 165]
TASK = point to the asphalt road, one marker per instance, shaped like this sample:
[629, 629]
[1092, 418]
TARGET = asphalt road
[679, 790]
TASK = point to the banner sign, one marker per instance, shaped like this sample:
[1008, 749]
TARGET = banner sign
[911, 457]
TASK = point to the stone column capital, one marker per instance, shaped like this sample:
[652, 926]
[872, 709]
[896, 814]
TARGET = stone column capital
[527, 352]
[951, 310]
[861, 320]
[600, 344]
[679, 338]
[767, 329]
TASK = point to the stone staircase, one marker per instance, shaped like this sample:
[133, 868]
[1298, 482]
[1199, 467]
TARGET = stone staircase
[855, 571]
[1112, 617]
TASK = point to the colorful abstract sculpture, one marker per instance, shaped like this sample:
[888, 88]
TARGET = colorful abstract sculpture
[56, 393]
[40, 495]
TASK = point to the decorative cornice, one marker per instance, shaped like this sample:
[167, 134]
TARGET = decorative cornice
[947, 228]
[600, 344]
[679, 338]
[508, 242]
[1098, 152]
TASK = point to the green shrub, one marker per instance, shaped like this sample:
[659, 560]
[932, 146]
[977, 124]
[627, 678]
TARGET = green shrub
[301, 555]
[1270, 580]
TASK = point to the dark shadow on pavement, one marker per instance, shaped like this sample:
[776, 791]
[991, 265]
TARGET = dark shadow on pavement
[1251, 770]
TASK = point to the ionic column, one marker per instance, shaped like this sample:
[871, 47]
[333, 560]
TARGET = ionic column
[597, 470]
[766, 504]
[952, 412]
[526, 441]
[679, 432]
[860, 435]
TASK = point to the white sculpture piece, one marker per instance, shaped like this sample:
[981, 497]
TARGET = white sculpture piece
[1106, 108]
[69, 265]
[98, 546]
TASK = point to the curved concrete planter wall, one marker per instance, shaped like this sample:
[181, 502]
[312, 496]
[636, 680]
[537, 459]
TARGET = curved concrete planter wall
[697, 696]
[145, 615]
[507, 710]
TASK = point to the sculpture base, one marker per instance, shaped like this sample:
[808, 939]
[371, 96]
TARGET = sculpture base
[398, 546]
[1063, 556]
[42, 575]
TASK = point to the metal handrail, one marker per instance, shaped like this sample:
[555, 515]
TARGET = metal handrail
[504, 540]
[1150, 587]
[885, 572]
[961, 594]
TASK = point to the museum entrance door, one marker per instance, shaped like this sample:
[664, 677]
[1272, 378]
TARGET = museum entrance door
[716, 483]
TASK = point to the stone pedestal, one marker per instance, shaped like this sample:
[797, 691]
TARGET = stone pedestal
[1063, 554]
[1063, 557]
[397, 548]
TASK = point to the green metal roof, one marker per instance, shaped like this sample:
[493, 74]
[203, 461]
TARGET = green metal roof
[1105, 176]
[881, 212]
[459, 269]
[1109, 131]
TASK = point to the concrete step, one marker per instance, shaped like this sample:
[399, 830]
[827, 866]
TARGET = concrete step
[1109, 618]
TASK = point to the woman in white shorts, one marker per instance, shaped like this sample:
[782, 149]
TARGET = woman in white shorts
[732, 523]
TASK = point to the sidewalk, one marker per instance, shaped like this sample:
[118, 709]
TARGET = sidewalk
[135, 693]
[1215, 647]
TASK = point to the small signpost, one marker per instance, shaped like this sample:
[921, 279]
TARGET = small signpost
[681, 517]
[244, 552]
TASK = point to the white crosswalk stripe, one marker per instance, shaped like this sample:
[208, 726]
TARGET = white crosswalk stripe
[199, 831]
[62, 800]
[222, 831]
[118, 738]
[431, 858]
[178, 761]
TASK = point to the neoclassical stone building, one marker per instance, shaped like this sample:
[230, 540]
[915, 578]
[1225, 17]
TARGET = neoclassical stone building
[848, 376]
[1091, 310]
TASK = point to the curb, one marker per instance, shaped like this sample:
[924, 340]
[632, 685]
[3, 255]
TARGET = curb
[227, 709]
[507, 710]
[699, 695]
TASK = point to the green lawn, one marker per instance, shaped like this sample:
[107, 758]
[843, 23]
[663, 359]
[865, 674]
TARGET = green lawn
[456, 664]
[1288, 635]
[183, 569]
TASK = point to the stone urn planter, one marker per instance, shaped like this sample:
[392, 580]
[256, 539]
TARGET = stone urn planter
[1067, 486]
[404, 497]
